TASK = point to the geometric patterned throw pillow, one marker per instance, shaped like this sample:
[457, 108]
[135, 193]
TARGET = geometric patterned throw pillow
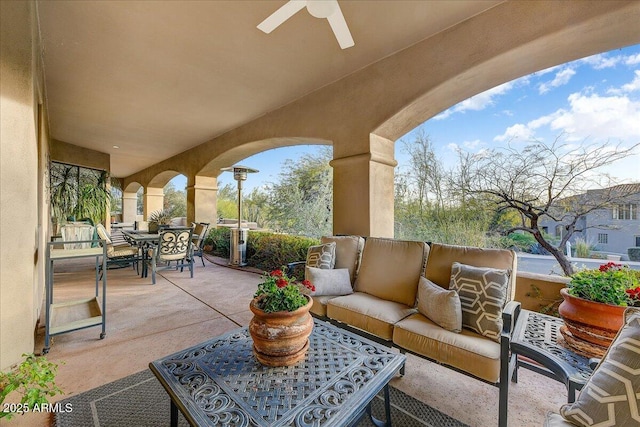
[483, 293]
[611, 396]
[322, 256]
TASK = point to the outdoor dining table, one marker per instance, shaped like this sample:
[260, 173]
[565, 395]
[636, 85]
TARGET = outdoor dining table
[145, 240]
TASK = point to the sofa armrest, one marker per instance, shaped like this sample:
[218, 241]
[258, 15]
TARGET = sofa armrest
[509, 318]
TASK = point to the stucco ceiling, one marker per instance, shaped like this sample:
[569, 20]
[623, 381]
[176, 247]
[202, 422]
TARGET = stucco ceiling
[159, 77]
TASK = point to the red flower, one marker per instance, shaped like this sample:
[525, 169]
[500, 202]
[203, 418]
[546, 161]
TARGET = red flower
[609, 266]
[276, 273]
[309, 285]
[281, 283]
[634, 293]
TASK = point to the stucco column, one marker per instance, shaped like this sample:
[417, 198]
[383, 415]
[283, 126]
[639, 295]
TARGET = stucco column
[202, 199]
[153, 200]
[129, 206]
[363, 190]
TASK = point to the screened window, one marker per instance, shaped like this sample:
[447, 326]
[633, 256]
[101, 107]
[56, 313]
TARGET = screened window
[603, 238]
[627, 211]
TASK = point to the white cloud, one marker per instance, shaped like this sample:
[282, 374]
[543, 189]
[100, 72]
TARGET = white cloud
[477, 102]
[634, 85]
[453, 147]
[601, 61]
[599, 117]
[588, 116]
[516, 132]
[632, 59]
[470, 145]
[562, 78]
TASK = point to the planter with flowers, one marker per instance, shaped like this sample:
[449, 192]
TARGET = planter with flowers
[281, 322]
[593, 306]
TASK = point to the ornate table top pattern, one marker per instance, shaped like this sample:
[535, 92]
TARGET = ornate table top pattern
[540, 332]
[220, 382]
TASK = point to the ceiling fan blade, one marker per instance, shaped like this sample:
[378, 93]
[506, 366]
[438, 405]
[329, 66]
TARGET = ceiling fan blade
[340, 28]
[279, 16]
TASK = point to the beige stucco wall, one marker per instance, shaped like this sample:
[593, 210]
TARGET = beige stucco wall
[21, 179]
[64, 152]
[549, 287]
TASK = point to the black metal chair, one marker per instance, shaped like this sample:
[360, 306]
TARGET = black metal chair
[201, 230]
[174, 244]
[118, 255]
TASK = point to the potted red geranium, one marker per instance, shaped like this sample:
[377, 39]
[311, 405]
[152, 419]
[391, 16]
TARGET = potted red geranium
[593, 304]
[281, 322]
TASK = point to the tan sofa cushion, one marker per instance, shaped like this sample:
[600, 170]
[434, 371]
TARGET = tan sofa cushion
[319, 307]
[369, 313]
[466, 351]
[391, 269]
[440, 305]
[348, 252]
[441, 257]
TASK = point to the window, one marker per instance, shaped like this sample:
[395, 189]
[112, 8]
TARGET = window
[559, 231]
[625, 211]
[637, 241]
[603, 238]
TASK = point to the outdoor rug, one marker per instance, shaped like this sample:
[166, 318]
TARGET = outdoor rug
[139, 400]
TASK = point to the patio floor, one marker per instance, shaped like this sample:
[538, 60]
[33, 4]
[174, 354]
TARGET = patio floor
[146, 322]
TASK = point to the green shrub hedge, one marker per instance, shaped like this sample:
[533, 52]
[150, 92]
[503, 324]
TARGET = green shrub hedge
[266, 251]
[270, 251]
[634, 254]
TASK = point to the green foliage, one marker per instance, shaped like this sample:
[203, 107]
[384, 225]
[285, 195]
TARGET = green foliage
[175, 200]
[34, 379]
[583, 249]
[268, 251]
[519, 241]
[608, 284]
[279, 292]
[634, 254]
[220, 239]
[78, 192]
[302, 201]
[161, 217]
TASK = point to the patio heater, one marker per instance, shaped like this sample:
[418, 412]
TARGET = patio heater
[238, 246]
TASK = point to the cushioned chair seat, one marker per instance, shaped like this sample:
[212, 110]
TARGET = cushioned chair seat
[466, 351]
[124, 250]
[319, 307]
[371, 314]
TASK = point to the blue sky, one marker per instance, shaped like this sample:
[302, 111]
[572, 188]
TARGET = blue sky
[595, 98]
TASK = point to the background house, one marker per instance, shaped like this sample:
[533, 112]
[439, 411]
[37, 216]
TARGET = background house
[612, 227]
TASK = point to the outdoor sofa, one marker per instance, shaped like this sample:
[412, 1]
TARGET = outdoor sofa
[397, 292]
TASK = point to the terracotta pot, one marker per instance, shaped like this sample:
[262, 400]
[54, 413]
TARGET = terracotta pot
[589, 326]
[280, 338]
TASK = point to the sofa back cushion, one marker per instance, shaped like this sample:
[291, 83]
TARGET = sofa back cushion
[442, 257]
[391, 269]
[348, 252]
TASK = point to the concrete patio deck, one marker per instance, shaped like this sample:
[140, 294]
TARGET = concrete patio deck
[146, 322]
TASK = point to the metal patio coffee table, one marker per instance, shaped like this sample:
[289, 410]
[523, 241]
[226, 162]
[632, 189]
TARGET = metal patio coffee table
[220, 382]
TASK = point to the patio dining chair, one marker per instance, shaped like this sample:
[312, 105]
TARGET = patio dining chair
[118, 255]
[174, 244]
[201, 230]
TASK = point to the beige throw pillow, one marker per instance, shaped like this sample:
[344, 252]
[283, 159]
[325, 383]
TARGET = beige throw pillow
[322, 256]
[483, 293]
[329, 282]
[440, 305]
[612, 394]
